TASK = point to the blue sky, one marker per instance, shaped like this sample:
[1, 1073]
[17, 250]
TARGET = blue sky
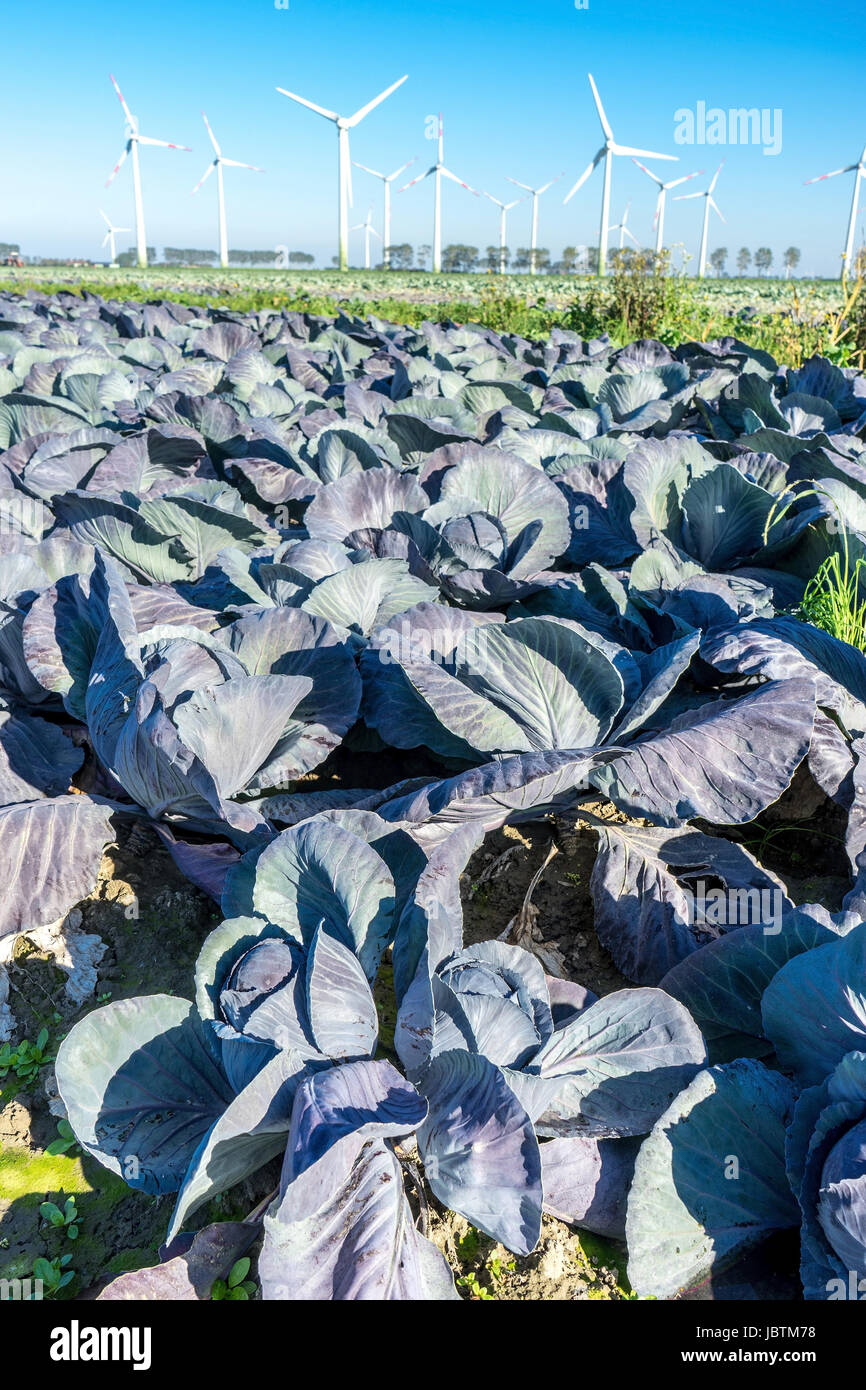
[509, 75]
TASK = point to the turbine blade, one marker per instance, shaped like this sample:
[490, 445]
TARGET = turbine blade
[365, 110]
[715, 209]
[584, 176]
[683, 197]
[645, 154]
[419, 179]
[126, 111]
[206, 175]
[497, 201]
[715, 177]
[446, 173]
[605, 124]
[104, 218]
[213, 138]
[653, 176]
[544, 187]
[368, 170]
[518, 184]
[402, 169]
[821, 177]
[113, 175]
[674, 183]
[106, 239]
[165, 144]
[319, 110]
[237, 164]
[626, 232]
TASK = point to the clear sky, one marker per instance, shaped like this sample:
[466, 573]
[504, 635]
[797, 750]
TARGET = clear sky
[509, 75]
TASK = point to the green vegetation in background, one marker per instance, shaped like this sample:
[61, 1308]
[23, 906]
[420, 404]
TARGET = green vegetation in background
[641, 298]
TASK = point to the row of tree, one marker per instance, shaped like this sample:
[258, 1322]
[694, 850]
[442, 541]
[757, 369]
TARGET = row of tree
[459, 258]
[763, 259]
[177, 255]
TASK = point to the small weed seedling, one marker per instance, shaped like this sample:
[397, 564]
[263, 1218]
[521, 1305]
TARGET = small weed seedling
[68, 1217]
[55, 1274]
[65, 1140]
[470, 1283]
[237, 1287]
[25, 1059]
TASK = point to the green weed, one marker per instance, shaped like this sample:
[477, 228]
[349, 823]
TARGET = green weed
[834, 598]
[26, 1058]
[67, 1217]
[237, 1288]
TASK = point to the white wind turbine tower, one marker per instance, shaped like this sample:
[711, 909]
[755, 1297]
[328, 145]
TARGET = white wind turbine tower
[659, 218]
[606, 153]
[133, 140]
[709, 202]
[504, 210]
[217, 163]
[344, 177]
[387, 179]
[438, 170]
[622, 228]
[108, 239]
[369, 230]
[536, 194]
[858, 170]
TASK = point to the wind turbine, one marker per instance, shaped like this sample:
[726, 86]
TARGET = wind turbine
[858, 170]
[369, 230]
[133, 140]
[606, 153]
[504, 210]
[536, 194]
[217, 163]
[387, 179]
[659, 219]
[438, 170]
[622, 228]
[110, 235]
[709, 203]
[344, 177]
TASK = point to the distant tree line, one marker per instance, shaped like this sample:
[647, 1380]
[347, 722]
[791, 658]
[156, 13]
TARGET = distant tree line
[762, 260]
[263, 257]
[457, 258]
[176, 255]
[460, 259]
[130, 257]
